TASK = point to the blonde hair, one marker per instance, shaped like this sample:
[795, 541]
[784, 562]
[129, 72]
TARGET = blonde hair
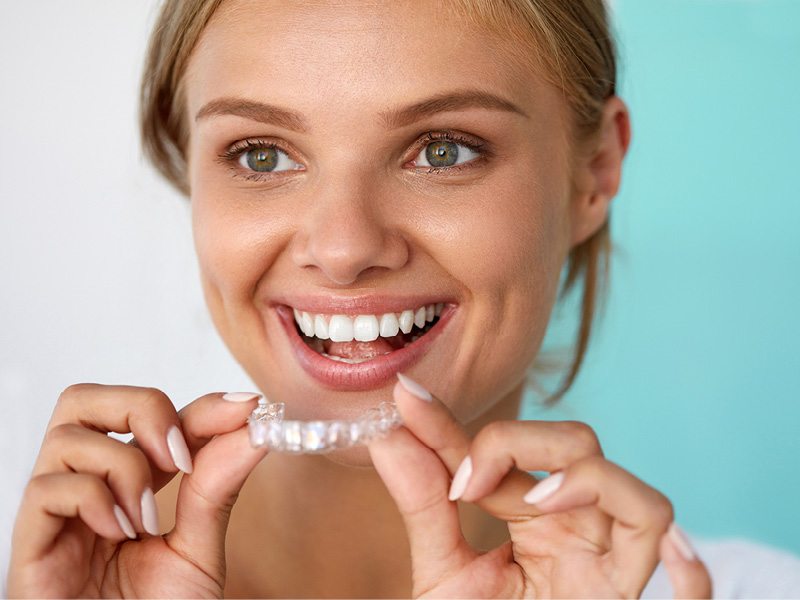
[575, 51]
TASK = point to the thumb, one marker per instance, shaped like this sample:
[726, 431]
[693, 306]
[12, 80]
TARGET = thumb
[220, 468]
[418, 482]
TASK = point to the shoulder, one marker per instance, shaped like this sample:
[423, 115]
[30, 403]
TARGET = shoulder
[739, 569]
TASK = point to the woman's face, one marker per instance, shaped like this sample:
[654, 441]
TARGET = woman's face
[372, 159]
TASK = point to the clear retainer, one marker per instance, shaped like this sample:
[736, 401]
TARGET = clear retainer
[267, 428]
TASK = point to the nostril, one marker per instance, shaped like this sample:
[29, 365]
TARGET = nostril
[350, 246]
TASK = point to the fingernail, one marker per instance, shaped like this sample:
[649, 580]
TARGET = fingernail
[460, 479]
[179, 450]
[413, 388]
[681, 542]
[544, 489]
[149, 512]
[240, 396]
[124, 522]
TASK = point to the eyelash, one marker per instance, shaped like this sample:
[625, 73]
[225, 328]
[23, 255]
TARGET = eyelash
[231, 156]
[450, 136]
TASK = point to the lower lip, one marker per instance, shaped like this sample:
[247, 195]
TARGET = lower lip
[363, 376]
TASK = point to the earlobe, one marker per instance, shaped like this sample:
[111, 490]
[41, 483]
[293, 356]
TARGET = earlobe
[600, 174]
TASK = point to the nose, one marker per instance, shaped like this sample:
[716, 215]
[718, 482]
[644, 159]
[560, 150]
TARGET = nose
[346, 233]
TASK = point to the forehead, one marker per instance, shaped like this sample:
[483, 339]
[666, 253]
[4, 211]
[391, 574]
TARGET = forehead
[354, 55]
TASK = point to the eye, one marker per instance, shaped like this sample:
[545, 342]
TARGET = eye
[444, 153]
[266, 159]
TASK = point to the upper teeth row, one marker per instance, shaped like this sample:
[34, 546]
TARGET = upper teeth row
[364, 328]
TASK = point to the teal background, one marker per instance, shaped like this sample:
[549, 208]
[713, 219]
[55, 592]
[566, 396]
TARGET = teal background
[692, 378]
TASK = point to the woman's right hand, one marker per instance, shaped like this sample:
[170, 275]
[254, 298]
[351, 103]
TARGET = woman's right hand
[88, 488]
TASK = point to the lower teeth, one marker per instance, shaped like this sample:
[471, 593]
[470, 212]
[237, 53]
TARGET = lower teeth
[350, 361]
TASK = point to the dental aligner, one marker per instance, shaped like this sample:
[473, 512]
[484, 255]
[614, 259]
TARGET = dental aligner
[267, 428]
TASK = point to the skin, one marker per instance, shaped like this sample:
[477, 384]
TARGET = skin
[356, 221]
[361, 217]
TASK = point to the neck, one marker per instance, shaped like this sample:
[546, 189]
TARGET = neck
[302, 523]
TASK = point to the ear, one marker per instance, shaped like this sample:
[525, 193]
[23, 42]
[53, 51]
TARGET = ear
[599, 172]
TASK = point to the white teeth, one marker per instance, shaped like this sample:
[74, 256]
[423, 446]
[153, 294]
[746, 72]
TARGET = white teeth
[320, 327]
[406, 321]
[307, 324]
[429, 310]
[389, 326]
[365, 328]
[340, 329]
[351, 361]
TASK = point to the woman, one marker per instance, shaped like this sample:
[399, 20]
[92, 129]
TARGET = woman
[346, 165]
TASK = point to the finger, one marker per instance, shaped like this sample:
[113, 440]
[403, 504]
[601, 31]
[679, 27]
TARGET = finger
[221, 466]
[146, 412]
[125, 469]
[527, 445]
[207, 416]
[640, 513]
[687, 573]
[418, 482]
[49, 500]
[504, 447]
[213, 414]
[432, 423]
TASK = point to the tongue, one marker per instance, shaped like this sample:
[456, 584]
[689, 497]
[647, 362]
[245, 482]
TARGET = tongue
[363, 350]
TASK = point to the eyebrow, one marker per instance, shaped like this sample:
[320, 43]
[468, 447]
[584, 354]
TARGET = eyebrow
[255, 111]
[392, 119]
[448, 101]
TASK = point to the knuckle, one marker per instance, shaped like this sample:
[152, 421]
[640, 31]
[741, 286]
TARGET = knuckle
[91, 486]
[493, 435]
[595, 467]
[73, 393]
[58, 435]
[583, 435]
[662, 512]
[36, 489]
[154, 397]
[134, 460]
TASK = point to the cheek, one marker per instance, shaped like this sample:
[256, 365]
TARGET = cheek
[514, 244]
[509, 259]
[235, 241]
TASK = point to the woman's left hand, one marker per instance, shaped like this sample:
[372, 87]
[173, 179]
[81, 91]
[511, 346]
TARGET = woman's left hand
[599, 532]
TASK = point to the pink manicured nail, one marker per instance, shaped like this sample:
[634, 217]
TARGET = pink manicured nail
[179, 450]
[544, 489]
[413, 388]
[124, 522]
[460, 479]
[149, 512]
[240, 396]
[681, 542]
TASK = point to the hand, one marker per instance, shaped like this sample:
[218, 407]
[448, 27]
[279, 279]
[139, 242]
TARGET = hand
[87, 489]
[599, 532]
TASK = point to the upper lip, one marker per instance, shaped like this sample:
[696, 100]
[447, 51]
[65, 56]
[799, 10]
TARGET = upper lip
[359, 305]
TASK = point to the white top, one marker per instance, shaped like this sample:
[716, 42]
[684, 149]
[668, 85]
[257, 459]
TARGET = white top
[739, 569]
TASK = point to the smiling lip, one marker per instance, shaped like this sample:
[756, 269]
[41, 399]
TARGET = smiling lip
[363, 376]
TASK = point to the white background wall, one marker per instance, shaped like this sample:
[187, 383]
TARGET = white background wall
[98, 280]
